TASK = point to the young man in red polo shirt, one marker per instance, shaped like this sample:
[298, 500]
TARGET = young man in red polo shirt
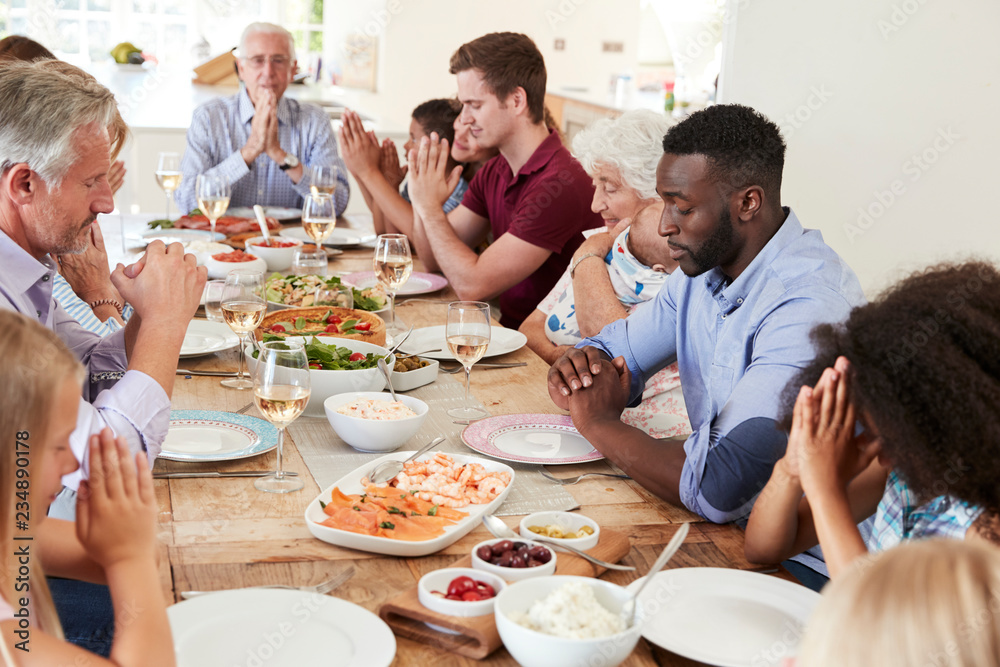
[534, 196]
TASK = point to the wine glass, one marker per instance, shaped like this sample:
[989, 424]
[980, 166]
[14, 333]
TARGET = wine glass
[168, 175]
[213, 194]
[324, 180]
[318, 217]
[213, 300]
[341, 296]
[393, 265]
[310, 260]
[281, 392]
[243, 308]
[468, 335]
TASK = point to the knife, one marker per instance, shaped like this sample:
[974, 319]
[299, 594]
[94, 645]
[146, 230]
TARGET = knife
[244, 473]
[228, 374]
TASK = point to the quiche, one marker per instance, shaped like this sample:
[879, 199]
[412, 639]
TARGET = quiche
[324, 321]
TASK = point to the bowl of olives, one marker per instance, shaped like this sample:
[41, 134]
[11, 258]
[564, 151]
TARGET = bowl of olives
[514, 560]
[412, 372]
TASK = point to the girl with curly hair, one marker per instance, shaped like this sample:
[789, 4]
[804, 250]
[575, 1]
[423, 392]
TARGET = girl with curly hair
[919, 370]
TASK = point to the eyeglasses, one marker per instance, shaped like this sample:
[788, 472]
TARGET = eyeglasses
[258, 62]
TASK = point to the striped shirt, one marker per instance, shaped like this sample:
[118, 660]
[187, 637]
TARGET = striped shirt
[221, 127]
[81, 312]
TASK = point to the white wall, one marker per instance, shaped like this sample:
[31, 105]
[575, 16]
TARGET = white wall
[416, 40]
[890, 110]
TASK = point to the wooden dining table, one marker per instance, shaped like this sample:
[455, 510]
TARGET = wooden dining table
[222, 533]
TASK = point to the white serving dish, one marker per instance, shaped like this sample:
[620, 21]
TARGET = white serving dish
[369, 435]
[535, 649]
[219, 270]
[514, 573]
[569, 520]
[438, 580]
[351, 483]
[278, 259]
[325, 384]
[416, 378]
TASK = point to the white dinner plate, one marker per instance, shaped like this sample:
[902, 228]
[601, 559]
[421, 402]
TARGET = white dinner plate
[417, 283]
[212, 435]
[728, 618]
[184, 236]
[351, 483]
[279, 213]
[502, 341]
[205, 337]
[338, 238]
[526, 438]
[278, 628]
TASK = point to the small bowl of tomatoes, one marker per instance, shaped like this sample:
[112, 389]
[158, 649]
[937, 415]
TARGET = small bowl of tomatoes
[459, 591]
[278, 251]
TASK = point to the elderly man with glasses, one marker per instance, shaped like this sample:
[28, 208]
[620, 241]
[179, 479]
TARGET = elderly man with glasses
[261, 141]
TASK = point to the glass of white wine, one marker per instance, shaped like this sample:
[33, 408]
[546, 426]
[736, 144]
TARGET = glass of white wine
[281, 392]
[468, 335]
[318, 217]
[168, 175]
[393, 265]
[243, 308]
[323, 180]
[213, 194]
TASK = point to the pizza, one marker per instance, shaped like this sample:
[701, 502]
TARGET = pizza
[324, 321]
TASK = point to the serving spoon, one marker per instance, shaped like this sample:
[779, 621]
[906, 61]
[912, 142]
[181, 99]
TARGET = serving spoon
[386, 470]
[262, 222]
[499, 529]
[388, 381]
[628, 609]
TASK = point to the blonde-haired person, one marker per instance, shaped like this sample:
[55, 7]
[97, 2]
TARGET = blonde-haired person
[613, 274]
[114, 539]
[932, 602]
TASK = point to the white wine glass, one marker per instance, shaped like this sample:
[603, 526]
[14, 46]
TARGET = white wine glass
[468, 335]
[393, 265]
[281, 392]
[318, 217]
[168, 175]
[243, 308]
[213, 193]
[323, 180]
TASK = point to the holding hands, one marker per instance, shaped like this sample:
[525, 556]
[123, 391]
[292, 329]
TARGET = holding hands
[164, 286]
[430, 183]
[87, 272]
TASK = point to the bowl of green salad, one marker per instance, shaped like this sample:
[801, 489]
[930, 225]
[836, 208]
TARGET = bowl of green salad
[337, 366]
[287, 291]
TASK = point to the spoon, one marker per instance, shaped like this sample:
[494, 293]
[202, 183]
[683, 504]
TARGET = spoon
[386, 470]
[259, 211]
[499, 529]
[385, 373]
[401, 341]
[628, 609]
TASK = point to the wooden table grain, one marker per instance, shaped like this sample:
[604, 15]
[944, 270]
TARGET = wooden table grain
[223, 533]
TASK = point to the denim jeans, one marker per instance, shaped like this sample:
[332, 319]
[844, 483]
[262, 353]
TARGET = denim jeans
[86, 614]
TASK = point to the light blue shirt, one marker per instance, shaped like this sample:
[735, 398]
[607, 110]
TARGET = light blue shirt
[221, 127]
[76, 308]
[453, 200]
[737, 346]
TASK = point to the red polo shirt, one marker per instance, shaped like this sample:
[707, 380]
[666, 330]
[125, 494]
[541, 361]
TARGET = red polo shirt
[546, 204]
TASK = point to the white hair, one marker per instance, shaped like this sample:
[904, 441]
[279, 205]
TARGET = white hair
[631, 143]
[42, 104]
[265, 29]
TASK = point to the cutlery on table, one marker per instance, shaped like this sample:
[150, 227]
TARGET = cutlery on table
[402, 339]
[228, 374]
[386, 470]
[459, 369]
[628, 609]
[565, 481]
[498, 528]
[416, 354]
[322, 588]
[262, 222]
[189, 475]
[385, 373]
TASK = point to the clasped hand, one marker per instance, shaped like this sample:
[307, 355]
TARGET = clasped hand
[590, 384]
[359, 149]
[430, 182]
[263, 130]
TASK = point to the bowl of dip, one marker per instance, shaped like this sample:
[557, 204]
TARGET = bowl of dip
[372, 421]
[220, 264]
[278, 255]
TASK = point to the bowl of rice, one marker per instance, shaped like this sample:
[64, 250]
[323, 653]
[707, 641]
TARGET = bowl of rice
[565, 621]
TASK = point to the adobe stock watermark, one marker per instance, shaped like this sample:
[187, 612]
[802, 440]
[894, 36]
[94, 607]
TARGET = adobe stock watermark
[563, 11]
[802, 114]
[272, 642]
[900, 15]
[380, 19]
[914, 168]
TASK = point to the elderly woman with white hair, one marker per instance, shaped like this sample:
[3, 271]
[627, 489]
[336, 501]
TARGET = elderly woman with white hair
[616, 272]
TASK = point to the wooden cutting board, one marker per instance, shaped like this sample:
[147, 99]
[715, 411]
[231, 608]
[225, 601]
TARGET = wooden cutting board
[477, 636]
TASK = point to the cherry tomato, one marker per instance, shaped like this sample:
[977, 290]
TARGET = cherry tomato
[277, 328]
[486, 589]
[363, 326]
[358, 356]
[316, 366]
[334, 328]
[333, 319]
[461, 585]
[474, 596]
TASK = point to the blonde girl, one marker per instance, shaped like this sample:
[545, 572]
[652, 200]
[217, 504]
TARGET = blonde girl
[927, 602]
[113, 541]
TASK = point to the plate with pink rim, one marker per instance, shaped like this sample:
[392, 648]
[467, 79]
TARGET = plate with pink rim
[528, 438]
[418, 283]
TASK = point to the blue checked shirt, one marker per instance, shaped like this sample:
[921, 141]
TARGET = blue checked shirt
[221, 127]
[737, 345]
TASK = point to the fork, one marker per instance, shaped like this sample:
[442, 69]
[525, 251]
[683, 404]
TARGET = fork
[573, 480]
[321, 588]
[459, 369]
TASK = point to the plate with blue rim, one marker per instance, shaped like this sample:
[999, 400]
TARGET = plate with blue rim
[213, 435]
